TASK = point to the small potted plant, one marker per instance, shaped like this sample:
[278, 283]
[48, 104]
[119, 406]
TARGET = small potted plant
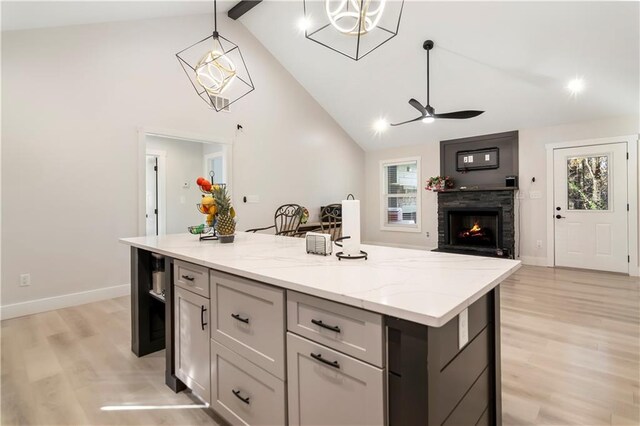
[439, 183]
[225, 215]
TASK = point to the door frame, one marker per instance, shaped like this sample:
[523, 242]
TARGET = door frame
[161, 194]
[143, 132]
[213, 155]
[632, 142]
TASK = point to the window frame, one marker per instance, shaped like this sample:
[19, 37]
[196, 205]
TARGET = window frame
[384, 196]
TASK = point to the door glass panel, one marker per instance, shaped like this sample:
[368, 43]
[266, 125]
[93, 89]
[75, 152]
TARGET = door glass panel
[588, 183]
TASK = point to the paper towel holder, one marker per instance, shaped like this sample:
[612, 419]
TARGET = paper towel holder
[340, 255]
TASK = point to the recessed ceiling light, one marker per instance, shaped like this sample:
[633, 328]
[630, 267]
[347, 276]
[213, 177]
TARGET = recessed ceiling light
[304, 24]
[575, 85]
[428, 119]
[380, 125]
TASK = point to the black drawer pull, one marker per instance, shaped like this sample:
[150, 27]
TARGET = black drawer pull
[188, 278]
[202, 311]
[318, 357]
[237, 394]
[328, 327]
[239, 318]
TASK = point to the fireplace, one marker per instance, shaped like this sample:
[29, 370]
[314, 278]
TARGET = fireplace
[471, 228]
[480, 221]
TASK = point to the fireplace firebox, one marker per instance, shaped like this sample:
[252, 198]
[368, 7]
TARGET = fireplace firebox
[473, 227]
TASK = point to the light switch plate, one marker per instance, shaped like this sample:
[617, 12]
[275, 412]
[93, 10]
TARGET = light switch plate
[535, 195]
[253, 199]
[463, 328]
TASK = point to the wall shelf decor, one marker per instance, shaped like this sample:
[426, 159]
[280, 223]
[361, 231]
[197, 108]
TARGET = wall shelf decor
[478, 159]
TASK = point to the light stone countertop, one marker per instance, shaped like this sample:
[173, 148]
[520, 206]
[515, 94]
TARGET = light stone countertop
[421, 286]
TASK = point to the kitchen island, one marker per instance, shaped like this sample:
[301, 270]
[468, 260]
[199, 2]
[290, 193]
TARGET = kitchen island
[268, 334]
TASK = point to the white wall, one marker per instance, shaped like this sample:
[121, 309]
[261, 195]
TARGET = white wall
[532, 163]
[72, 101]
[184, 160]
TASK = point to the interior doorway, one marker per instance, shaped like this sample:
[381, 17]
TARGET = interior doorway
[169, 167]
[591, 207]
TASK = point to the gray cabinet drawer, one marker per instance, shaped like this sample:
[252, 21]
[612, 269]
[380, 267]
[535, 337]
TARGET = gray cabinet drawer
[354, 331]
[248, 318]
[327, 388]
[191, 277]
[243, 393]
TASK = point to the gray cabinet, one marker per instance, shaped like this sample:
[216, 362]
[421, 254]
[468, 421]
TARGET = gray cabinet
[191, 277]
[326, 387]
[243, 393]
[248, 318]
[192, 341]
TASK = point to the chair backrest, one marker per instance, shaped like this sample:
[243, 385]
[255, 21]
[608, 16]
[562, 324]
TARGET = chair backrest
[331, 220]
[287, 219]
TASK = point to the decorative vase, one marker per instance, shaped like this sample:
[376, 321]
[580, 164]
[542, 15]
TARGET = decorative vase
[225, 239]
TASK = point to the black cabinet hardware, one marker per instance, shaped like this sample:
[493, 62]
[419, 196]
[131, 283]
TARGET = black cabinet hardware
[319, 323]
[318, 357]
[237, 394]
[558, 208]
[239, 318]
[559, 217]
[202, 311]
[188, 278]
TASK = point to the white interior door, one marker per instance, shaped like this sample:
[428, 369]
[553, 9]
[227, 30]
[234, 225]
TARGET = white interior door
[590, 207]
[151, 195]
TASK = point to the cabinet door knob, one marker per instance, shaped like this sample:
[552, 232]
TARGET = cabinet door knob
[239, 318]
[318, 357]
[237, 394]
[202, 311]
[319, 323]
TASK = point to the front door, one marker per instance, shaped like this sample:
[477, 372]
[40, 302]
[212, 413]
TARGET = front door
[590, 207]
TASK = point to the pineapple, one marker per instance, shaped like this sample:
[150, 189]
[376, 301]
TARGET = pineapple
[225, 224]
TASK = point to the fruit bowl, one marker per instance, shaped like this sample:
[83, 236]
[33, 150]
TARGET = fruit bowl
[199, 229]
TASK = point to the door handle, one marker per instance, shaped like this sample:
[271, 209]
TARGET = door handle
[237, 394]
[328, 327]
[318, 357]
[202, 311]
[188, 278]
[559, 217]
[239, 318]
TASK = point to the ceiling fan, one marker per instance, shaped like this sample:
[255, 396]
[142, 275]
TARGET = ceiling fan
[427, 111]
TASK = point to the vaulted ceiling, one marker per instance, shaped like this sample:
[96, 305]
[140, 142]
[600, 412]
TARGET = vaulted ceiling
[511, 59]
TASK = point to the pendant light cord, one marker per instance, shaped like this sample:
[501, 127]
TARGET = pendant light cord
[215, 18]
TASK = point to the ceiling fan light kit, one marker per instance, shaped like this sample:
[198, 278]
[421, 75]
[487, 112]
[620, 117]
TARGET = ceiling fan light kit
[353, 28]
[215, 67]
[428, 113]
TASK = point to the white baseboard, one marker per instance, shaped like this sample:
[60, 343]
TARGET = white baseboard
[534, 261]
[64, 301]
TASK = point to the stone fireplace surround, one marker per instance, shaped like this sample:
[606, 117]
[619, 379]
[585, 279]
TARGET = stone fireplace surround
[477, 199]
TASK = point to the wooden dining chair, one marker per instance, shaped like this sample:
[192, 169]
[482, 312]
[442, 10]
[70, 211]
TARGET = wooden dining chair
[286, 221]
[331, 221]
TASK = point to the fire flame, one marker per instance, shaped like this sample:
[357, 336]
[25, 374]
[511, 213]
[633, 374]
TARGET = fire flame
[475, 228]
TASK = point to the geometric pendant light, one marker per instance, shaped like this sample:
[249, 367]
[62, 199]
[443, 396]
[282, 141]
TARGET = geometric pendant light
[216, 69]
[353, 28]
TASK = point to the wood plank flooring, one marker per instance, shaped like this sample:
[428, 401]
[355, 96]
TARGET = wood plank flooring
[570, 348]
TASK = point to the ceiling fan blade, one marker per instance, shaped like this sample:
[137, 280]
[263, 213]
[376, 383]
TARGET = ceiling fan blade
[459, 114]
[409, 121]
[417, 105]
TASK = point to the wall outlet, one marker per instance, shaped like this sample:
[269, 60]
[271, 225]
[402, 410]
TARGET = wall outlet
[25, 280]
[463, 328]
[253, 199]
[538, 243]
[535, 195]
[428, 235]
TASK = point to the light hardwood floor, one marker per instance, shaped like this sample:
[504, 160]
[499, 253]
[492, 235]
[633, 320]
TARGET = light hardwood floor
[570, 350]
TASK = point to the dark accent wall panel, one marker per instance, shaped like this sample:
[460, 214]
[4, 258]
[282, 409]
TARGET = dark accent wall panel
[506, 142]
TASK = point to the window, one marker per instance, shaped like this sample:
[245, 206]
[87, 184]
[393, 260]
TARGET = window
[400, 198]
[588, 183]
